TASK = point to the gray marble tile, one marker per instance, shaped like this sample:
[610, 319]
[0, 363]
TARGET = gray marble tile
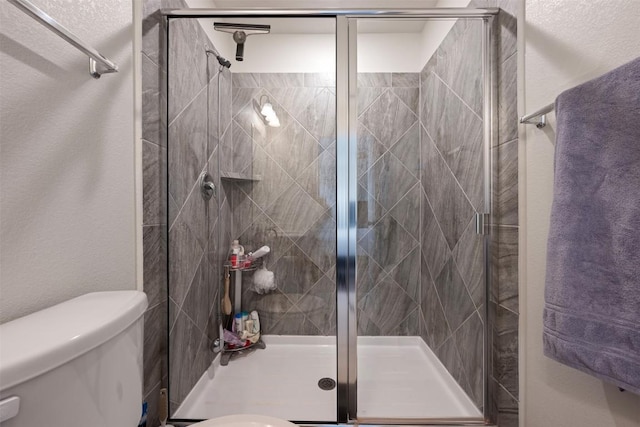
[455, 299]
[154, 345]
[226, 149]
[319, 306]
[374, 80]
[407, 150]
[405, 80]
[187, 65]
[151, 29]
[505, 350]
[295, 322]
[294, 211]
[410, 97]
[151, 124]
[366, 327]
[226, 100]
[262, 231]
[388, 118]
[153, 180]
[196, 302]
[369, 274]
[407, 211]
[244, 210]
[241, 150]
[246, 79]
[387, 305]
[296, 274]
[319, 242]
[407, 274]
[187, 149]
[460, 62]
[184, 255]
[204, 356]
[294, 149]
[319, 118]
[369, 212]
[505, 184]
[274, 179]
[366, 96]
[448, 355]
[242, 96]
[387, 242]
[294, 99]
[388, 180]
[194, 214]
[369, 149]
[461, 147]
[449, 203]
[270, 307]
[469, 341]
[154, 263]
[269, 80]
[469, 257]
[435, 249]
[409, 326]
[508, 100]
[504, 266]
[508, 23]
[320, 80]
[435, 327]
[319, 179]
[184, 341]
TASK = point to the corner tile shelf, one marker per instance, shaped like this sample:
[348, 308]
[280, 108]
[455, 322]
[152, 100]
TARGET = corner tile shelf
[237, 176]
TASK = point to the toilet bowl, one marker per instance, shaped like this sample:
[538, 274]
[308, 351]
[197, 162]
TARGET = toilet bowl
[244, 421]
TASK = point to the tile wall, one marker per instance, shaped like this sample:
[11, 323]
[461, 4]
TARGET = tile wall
[388, 253]
[451, 190]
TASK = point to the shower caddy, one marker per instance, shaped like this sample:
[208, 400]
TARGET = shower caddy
[219, 346]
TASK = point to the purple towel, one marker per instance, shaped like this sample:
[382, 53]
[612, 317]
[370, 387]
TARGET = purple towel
[592, 295]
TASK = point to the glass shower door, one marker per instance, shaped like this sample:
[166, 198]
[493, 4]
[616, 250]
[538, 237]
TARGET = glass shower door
[264, 130]
[421, 167]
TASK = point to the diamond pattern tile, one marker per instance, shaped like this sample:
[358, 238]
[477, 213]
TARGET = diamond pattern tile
[388, 118]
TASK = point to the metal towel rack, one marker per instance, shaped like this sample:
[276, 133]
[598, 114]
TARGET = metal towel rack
[541, 113]
[98, 64]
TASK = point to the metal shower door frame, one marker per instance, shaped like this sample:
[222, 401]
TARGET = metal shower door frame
[346, 181]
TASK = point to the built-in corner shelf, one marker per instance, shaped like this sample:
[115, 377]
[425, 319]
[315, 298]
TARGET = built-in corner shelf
[237, 176]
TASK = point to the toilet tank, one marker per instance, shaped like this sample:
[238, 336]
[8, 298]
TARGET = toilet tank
[75, 364]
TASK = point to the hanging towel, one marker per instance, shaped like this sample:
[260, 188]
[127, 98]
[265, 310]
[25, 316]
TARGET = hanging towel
[592, 294]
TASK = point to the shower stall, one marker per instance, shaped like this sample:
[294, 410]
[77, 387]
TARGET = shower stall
[356, 146]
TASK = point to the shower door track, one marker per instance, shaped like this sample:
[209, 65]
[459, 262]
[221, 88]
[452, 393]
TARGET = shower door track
[346, 179]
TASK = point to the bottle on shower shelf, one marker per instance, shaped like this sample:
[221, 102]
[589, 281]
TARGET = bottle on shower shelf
[237, 252]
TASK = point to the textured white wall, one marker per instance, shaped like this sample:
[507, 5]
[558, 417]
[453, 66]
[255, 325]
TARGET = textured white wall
[67, 186]
[566, 43]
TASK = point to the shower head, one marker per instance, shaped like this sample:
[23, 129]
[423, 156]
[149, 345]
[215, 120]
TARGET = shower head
[221, 60]
[240, 33]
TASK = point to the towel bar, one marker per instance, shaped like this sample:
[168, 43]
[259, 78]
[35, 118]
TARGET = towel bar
[541, 113]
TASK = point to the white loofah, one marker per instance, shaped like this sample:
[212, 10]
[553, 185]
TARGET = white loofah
[263, 280]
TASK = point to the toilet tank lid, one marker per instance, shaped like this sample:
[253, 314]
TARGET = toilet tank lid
[42, 341]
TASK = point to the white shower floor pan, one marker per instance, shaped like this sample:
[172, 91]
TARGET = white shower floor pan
[398, 377]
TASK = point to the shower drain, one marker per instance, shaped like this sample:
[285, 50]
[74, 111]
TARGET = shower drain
[326, 383]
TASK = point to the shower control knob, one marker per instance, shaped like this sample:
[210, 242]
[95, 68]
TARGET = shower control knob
[207, 187]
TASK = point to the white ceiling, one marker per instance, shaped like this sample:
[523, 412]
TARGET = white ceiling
[327, 26]
[316, 4]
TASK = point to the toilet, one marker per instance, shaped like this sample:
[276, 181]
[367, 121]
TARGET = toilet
[244, 421]
[75, 364]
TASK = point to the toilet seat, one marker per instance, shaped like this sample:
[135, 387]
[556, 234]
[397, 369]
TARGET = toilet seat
[244, 421]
